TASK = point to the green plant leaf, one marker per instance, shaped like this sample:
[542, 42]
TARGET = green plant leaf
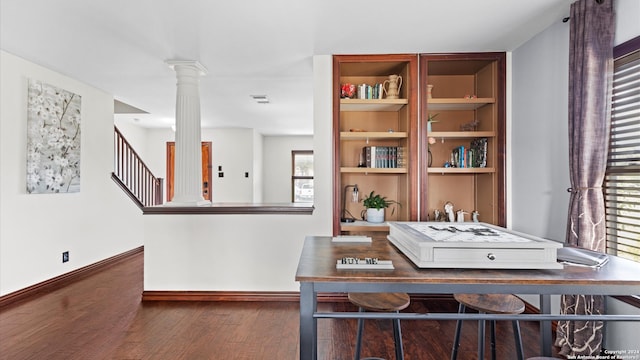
[376, 201]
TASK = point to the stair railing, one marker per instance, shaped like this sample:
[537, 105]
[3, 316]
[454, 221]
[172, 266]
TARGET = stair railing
[133, 176]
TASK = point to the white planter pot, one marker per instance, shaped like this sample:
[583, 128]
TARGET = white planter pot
[375, 215]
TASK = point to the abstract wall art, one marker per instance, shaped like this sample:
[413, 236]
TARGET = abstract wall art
[53, 139]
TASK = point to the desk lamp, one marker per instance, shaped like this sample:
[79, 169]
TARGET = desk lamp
[354, 199]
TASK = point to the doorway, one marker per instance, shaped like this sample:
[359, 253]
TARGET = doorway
[206, 169]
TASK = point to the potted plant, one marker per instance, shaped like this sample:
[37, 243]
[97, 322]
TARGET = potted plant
[375, 205]
[430, 120]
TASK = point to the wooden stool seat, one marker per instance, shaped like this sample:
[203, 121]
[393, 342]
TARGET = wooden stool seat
[385, 302]
[489, 304]
[492, 303]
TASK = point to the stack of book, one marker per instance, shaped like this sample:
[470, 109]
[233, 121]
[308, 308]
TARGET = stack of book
[366, 91]
[383, 156]
[473, 157]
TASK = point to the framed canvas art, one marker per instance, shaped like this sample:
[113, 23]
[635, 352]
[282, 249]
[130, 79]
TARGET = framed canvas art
[53, 139]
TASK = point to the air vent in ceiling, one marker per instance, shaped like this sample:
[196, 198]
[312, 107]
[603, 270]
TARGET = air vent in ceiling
[260, 99]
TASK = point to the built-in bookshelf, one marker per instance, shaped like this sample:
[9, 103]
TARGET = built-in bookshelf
[465, 102]
[388, 126]
[462, 94]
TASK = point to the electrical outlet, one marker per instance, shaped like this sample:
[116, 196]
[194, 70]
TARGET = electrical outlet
[65, 256]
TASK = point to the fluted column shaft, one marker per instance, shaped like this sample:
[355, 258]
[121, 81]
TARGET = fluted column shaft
[188, 151]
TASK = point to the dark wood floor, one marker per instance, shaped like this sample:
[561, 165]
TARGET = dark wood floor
[102, 317]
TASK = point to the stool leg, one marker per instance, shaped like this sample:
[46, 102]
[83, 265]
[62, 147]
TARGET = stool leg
[481, 326]
[397, 339]
[517, 336]
[359, 336]
[456, 339]
[493, 340]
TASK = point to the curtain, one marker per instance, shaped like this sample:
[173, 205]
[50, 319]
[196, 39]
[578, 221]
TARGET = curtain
[590, 76]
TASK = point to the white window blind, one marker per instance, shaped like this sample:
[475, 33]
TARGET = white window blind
[622, 181]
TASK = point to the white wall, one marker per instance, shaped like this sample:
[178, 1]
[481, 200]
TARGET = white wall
[98, 222]
[539, 134]
[244, 252]
[539, 144]
[627, 23]
[277, 165]
[323, 144]
[155, 150]
[233, 149]
[258, 166]
[135, 135]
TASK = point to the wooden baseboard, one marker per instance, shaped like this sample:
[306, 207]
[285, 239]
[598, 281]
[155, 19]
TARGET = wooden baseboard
[261, 296]
[64, 279]
[218, 296]
[292, 296]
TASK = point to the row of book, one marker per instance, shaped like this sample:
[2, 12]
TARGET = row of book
[472, 157]
[366, 91]
[383, 157]
[380, 157]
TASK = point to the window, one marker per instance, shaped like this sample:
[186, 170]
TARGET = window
[302, 176]
[622, 181]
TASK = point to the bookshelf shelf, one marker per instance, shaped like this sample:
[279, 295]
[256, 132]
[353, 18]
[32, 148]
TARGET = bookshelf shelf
[372, 104]
[365, 170]
[461, 134]
[371, 135]
[458, 104]
[363, 226]
[443, 170]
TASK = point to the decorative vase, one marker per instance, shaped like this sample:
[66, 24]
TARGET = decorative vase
[429, 90]
[375, 215]
[392, 86]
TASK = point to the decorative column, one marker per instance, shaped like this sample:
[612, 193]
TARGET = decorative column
[188, 150]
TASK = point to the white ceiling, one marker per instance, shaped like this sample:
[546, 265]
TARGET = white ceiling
[249, 47]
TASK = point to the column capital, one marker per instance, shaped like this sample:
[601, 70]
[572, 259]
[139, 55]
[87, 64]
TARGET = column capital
[193, 64]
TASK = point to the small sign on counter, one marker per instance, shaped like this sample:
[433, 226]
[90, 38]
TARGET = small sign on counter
[363, 264]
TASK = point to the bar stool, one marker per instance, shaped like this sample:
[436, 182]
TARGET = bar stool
[489, 304]
[385, 302]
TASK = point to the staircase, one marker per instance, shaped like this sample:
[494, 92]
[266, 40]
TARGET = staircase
[133, 176]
